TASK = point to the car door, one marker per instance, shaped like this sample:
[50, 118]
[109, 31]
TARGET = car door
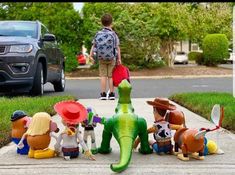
[50, 51]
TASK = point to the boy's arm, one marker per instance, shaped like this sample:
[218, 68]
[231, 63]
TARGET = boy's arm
[119, 61]
[91, 54]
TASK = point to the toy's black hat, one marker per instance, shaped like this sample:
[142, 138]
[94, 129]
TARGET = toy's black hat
[17, 115]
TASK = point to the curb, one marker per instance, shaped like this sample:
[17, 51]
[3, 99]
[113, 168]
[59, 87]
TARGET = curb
[158, 77]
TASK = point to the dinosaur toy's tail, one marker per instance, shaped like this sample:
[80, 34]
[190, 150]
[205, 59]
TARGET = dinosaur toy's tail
[126, 144]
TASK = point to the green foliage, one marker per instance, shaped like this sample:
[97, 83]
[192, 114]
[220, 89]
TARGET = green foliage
[202, 104]
[197, 57]
[71, 62]
[144, 29]
[215, 48]
[30, 105]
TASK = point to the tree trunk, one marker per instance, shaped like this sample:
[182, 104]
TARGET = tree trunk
[166, 52]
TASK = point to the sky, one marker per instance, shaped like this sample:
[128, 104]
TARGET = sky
[78, 5]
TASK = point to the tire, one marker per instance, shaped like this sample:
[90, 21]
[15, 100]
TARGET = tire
[38, 83]
[59, 86]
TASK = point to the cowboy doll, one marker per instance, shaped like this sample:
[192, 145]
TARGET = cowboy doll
[72, 113]
[161, 128]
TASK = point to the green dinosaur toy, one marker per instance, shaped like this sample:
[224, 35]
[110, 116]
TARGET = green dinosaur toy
[125, 125]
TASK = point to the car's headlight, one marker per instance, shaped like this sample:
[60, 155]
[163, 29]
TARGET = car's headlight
[23, 48]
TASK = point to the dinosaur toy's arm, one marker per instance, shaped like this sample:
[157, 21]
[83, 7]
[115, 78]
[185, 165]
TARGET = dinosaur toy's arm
[150, 130]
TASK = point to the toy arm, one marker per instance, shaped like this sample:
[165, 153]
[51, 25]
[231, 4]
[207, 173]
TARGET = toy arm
[52, 135]
[175, 127]
[97, 119]
[87, 152]
[58, 141]
[137, 141]
[21, 144]
[81, 141]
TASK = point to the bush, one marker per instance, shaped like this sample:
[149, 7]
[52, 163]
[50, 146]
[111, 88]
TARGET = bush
[71, 62]
[151, 64]
[215, 49]
[197, 57]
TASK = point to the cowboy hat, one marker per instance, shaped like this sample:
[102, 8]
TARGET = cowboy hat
[162, 103]
[72, 112]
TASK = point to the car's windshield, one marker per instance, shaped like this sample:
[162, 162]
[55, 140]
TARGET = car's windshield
[21, 29]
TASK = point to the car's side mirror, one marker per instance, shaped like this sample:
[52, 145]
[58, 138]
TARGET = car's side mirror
[49, 37]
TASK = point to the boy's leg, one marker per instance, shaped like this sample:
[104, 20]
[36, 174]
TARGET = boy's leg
[110, 79]
[111, 84]
[103, 78]
[103, 83]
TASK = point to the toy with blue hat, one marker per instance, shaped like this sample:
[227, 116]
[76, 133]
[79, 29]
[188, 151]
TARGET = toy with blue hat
[19, 124]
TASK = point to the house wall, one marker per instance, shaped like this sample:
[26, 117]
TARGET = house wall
[183, 46]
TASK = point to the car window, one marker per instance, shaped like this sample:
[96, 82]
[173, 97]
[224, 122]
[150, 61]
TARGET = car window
[44, 30]
[20, 29]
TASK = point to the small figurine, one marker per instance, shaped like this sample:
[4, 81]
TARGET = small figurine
[39, 136]
[89, 124]
[193, 140]
[189, 141]
[72, 113]
[19, 125]
[161, 128]
[125, 126]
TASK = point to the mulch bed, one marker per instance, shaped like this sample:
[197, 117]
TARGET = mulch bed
[165, 71]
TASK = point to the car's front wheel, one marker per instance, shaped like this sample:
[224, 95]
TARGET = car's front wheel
[59, 86]
[38, 84]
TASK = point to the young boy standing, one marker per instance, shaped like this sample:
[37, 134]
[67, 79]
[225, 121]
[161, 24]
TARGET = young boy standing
[106, 47]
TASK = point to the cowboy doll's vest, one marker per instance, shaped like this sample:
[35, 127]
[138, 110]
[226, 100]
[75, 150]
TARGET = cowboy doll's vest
[163, 130]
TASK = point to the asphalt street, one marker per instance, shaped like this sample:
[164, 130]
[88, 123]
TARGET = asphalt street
[147, 88]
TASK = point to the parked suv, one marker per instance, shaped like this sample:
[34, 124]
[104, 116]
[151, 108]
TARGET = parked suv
[29, 58]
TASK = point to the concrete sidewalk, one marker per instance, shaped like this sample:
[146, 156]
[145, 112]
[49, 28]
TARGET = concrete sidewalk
[11, 163]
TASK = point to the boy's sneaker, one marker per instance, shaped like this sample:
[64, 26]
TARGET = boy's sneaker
[103, 96]
[111, 96]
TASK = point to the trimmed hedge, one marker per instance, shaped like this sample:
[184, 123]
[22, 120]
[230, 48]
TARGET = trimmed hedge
[215, 49]
[197, 57]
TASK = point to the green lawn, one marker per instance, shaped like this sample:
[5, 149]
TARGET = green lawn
[30, 105]
[202, 103]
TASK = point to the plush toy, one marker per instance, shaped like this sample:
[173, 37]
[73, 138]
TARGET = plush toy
[125, 125]
[72, 113]
[161, 128]
[39, 136]
[19, 125]
[89, 124]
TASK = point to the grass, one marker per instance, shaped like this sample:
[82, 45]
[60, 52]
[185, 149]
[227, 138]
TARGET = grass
[30, 105]
[202, 104]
